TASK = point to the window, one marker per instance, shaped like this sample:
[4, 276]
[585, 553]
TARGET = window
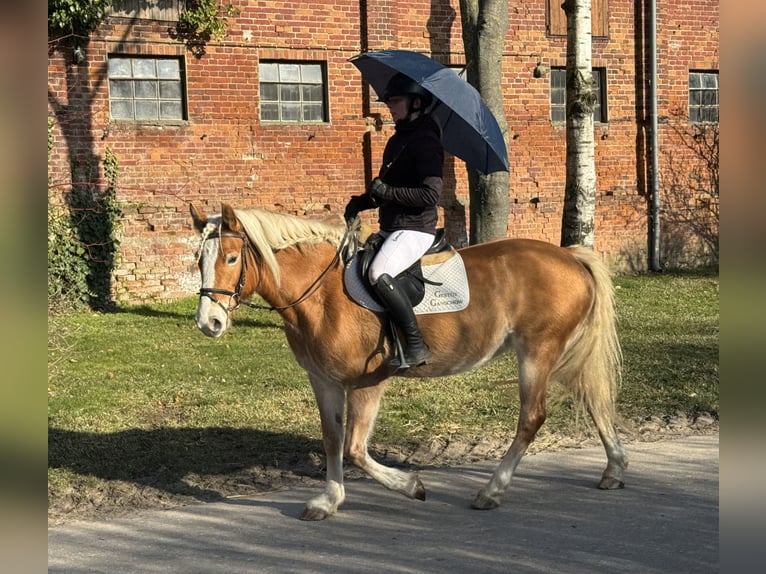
[292, 92]
[168, 10]
[703, 97]
[142, 88]
[559, 94]
[557, 19]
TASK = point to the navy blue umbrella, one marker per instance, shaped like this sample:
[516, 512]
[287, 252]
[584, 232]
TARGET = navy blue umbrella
[469, 130]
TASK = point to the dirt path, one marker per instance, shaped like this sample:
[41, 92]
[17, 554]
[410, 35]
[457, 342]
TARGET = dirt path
[109, 499]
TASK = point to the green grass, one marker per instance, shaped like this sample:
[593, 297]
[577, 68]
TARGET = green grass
[669, 332]
[141, 397]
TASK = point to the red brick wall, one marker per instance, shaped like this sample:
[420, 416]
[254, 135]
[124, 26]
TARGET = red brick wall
[224, 152]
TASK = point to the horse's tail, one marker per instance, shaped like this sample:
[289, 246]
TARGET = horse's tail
[591, 366]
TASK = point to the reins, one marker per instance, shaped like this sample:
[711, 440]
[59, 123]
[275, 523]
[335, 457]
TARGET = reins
[236, 295]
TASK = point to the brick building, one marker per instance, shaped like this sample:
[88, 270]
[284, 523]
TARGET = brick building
[215, 128]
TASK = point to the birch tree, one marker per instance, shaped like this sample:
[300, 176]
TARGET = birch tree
[485, 23]
[577, 224]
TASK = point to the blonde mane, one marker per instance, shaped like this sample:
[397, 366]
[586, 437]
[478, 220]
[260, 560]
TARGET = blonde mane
[270, 232]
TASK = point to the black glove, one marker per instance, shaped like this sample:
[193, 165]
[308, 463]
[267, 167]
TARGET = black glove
[380, 191]
[356, 204]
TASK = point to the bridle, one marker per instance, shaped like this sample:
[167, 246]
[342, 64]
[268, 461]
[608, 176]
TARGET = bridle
[235, 297]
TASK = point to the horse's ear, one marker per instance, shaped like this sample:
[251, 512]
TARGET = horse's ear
[198, 216]
[230, 219]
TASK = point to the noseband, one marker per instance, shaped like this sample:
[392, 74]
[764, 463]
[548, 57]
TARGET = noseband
[234, 296]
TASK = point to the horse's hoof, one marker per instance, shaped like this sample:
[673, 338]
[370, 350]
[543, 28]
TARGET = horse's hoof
[420, 491]
[314, 514]
[611, 483]
[483, 502]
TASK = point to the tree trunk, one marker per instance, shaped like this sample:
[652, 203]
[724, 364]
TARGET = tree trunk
[485, 23]
[577, 224]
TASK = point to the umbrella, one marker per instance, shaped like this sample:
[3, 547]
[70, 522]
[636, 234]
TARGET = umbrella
[469, 130]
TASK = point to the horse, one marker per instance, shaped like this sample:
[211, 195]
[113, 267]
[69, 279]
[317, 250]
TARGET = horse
[553, 306]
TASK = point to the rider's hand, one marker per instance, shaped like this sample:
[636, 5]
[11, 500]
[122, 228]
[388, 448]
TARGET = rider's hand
[356, 204]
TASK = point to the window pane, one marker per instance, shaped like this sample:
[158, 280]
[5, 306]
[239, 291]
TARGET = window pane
[289, 73]
[558, 97]
[558, 78]
[694, 114]
[170, 90]
[558, 114]
[269, 92]
[291, 112]
[695, 98]
[122, 109]
[146, 110]
[312, 93]
[270, 112]
[146, 89]
[171, 111]
[312, 74]
[121, 88]
[268, 72]
[710, 81]
[709, 98]
[119, 68]
[289, 93]
[694, 81]
[168, 69]
[312, 112]
[143, 69]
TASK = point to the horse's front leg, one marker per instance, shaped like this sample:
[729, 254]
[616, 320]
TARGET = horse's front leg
[362, 407]
[331, 400]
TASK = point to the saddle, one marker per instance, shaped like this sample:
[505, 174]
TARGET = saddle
[436, 283]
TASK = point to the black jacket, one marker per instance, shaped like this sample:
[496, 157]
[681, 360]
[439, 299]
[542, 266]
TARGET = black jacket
[412, 166]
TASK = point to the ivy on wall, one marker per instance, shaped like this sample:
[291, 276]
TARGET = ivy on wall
[75, 17]
[202, 21]
[82, 240]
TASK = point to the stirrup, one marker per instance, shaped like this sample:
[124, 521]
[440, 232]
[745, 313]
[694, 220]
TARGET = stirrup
[400, 360]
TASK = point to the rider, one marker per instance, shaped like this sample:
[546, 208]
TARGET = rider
[406, 193]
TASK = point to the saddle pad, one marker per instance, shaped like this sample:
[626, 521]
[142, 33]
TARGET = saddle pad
[451, 295]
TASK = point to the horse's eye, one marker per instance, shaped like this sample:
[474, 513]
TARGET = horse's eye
[232, 259]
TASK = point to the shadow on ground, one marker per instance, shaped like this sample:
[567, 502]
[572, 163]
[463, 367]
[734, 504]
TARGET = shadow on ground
[140, 468]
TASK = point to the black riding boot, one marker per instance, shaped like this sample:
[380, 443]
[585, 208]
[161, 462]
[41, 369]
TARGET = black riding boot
[400, 310]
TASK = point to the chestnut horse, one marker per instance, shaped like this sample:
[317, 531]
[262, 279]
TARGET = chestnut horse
[553, 306]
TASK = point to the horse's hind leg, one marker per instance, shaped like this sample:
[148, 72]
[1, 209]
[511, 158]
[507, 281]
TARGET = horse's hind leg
[602, 412]
[533, 382]
[331, 400]
[362, 410]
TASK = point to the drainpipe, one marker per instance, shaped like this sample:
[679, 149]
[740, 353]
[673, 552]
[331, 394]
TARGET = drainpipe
[654, 217]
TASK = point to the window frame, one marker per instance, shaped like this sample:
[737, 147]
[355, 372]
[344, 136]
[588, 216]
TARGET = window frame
[701, 106]
[140, 82]
[301, 86]
[556, 19]
[600, 75]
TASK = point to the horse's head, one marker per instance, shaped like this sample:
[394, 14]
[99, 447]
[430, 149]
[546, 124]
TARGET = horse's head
[222, 264]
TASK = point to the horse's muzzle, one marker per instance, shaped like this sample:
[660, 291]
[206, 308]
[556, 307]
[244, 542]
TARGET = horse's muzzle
[213, 327]
[212, 320]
